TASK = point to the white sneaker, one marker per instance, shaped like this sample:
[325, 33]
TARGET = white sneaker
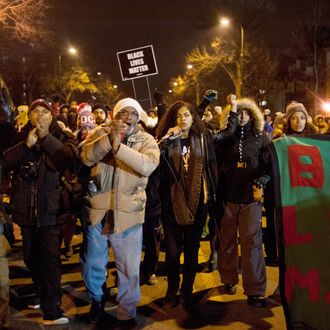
[61, 320]
[152, 279]
[31, 306]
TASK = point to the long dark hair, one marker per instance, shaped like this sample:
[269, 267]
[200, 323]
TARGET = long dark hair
[169, 119]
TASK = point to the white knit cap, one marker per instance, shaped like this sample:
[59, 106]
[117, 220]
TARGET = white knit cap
[127, 102]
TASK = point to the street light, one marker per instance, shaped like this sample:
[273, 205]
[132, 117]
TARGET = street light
[70, 50]
[326, 106]
[224, 21]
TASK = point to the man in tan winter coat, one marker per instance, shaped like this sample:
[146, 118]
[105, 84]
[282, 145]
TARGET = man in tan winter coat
[122, 156]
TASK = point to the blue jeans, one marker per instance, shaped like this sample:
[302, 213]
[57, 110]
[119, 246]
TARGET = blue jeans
[127, 247]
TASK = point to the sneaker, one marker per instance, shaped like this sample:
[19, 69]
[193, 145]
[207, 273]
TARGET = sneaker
[256, 301]
[125, 324]
[68, 251]
[33, 306]
[60, 320]
[152, 279]
[171, 299]
[189, 304]
[96, 311]
[230, 288]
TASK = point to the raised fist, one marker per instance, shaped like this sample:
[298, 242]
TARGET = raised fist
[158, 96]
[211, 95]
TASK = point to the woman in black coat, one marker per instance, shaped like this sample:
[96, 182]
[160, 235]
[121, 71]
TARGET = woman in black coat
[188, 172]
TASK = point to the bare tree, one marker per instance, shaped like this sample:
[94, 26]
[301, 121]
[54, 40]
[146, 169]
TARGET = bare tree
[23, 19]
[222, 58]
[310, 32]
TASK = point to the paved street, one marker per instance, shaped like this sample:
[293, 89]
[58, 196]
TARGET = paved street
[216, 309]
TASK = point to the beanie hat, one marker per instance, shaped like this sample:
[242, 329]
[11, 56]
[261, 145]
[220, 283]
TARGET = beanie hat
[100, 106]
[295, 107]
[127, 102]
[40, 102]
[152, 110]
[23, 108]
[85, 118]
[267, 112]
[64, 106]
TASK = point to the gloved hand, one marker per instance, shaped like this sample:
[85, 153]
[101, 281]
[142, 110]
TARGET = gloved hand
[211, 95]
[158, 96]
[261, 182]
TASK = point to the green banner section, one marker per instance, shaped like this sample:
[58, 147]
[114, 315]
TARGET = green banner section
[304, 186]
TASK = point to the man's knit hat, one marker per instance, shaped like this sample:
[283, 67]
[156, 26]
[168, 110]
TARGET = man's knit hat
[127, 102]
[295, 107]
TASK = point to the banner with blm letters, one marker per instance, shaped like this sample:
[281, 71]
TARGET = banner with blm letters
[302, 189]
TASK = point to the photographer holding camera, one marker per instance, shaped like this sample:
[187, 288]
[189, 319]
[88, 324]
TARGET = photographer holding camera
[43, 155]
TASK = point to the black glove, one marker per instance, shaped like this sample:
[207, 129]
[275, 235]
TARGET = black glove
[158, 96]
[211, 95]
[262, 181]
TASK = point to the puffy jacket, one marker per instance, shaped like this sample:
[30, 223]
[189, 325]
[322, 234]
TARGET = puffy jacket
[121, 180]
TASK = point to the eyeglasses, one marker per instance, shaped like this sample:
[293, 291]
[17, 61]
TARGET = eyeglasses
[127, 113]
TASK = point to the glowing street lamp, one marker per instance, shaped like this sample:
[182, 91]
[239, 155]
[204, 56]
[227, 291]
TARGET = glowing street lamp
[72, 50]
[326, 106]
[189, 66]
[225, 22]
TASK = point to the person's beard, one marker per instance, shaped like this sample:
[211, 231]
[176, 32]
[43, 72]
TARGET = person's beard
[99, 121]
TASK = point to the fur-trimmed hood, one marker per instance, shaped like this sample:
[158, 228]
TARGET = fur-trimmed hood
[247, 104]
[257, 115]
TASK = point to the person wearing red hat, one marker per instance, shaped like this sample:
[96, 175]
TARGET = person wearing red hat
[44, 153]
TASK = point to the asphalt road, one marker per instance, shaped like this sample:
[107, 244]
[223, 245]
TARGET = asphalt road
[216, 310]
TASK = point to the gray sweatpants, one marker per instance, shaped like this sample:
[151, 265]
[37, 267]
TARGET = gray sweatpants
[247, 218]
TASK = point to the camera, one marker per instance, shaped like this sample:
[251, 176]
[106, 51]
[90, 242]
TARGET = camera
[92, 188]
[29, 171]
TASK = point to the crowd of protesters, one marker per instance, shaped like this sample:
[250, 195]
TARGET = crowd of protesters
[131, 177]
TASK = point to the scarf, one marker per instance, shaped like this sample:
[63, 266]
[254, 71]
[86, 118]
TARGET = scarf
[185, 201]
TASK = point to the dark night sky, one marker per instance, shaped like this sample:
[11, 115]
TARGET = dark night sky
[100, 28]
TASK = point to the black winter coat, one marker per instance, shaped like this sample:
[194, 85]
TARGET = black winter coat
[210, 164]
[36, 189]
[236, 182]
